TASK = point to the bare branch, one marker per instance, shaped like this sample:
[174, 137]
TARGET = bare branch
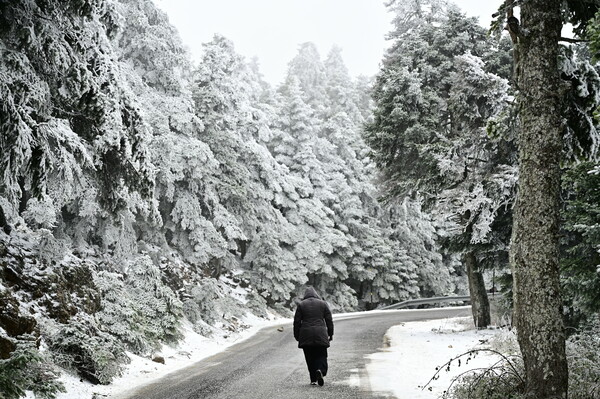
[570, 40]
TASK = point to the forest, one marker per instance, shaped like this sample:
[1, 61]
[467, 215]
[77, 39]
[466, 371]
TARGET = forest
[140, 190]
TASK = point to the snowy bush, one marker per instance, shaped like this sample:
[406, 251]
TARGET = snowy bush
[40, 213]
[583, 355]
[82, 346]
[28, 370]
[211, 303]
[138, 308]
[342, 298]
[503, 380]
[506, 378]
[256, 304]
[156, 303]
[118, 315]
[50, 249]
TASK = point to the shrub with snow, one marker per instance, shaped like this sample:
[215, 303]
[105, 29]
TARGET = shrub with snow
[506, 378]
[94, 354]
[138, 308]
[211, 302]
[28, 370]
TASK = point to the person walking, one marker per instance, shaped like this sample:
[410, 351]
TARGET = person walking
[313, 329]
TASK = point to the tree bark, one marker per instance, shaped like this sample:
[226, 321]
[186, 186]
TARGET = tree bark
[534, 246]
[24, 196]
[480, 305]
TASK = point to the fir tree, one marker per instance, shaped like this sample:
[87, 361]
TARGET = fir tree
[434, 99]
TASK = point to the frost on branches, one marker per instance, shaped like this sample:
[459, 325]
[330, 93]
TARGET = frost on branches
[146, 191]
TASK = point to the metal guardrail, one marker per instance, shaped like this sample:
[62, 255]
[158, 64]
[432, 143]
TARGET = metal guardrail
[427, 301]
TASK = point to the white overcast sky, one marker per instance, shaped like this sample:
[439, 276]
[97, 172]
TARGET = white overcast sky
[272, 29]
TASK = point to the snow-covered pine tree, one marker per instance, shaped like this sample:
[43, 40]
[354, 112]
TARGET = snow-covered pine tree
[411, 14]
[73, 135]
[377, 273]
[308, 68]
[580, 240]
[342, 95]
[429, 131]
[320, 247]
[536, 277]
[237, 109]
[415, 239]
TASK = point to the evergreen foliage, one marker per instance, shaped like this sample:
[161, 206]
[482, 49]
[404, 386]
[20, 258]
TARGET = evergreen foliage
[95, 355]
[47, 119]
[159, 182]
[581, 138]
[137, 308]
[439, 72]
[580, 259]
[436, 101]
[28, 370]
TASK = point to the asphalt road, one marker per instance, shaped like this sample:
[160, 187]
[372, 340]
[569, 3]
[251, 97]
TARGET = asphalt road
[270, 365]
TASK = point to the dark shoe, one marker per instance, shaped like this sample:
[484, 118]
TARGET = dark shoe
[320, 378]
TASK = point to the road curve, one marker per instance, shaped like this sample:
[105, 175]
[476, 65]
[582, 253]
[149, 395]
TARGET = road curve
[270, 365]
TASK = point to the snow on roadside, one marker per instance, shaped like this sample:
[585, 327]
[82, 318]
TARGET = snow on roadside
[417, 348]
[141, 371]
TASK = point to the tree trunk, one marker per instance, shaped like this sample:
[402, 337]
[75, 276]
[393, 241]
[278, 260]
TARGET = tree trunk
[3, 221]
[534, 246]
[24, 196]
[480, 305]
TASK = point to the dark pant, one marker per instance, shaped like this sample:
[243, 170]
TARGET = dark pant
[316, 359]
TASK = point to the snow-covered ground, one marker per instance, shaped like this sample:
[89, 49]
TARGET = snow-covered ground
[413, 351]
[410, 355]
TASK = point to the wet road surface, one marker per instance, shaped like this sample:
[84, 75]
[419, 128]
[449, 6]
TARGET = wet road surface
[269, 365]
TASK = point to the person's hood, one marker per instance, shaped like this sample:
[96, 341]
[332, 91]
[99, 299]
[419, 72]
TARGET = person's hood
[311, 293]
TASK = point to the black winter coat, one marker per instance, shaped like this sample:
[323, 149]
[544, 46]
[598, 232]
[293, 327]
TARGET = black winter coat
[313, 324]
